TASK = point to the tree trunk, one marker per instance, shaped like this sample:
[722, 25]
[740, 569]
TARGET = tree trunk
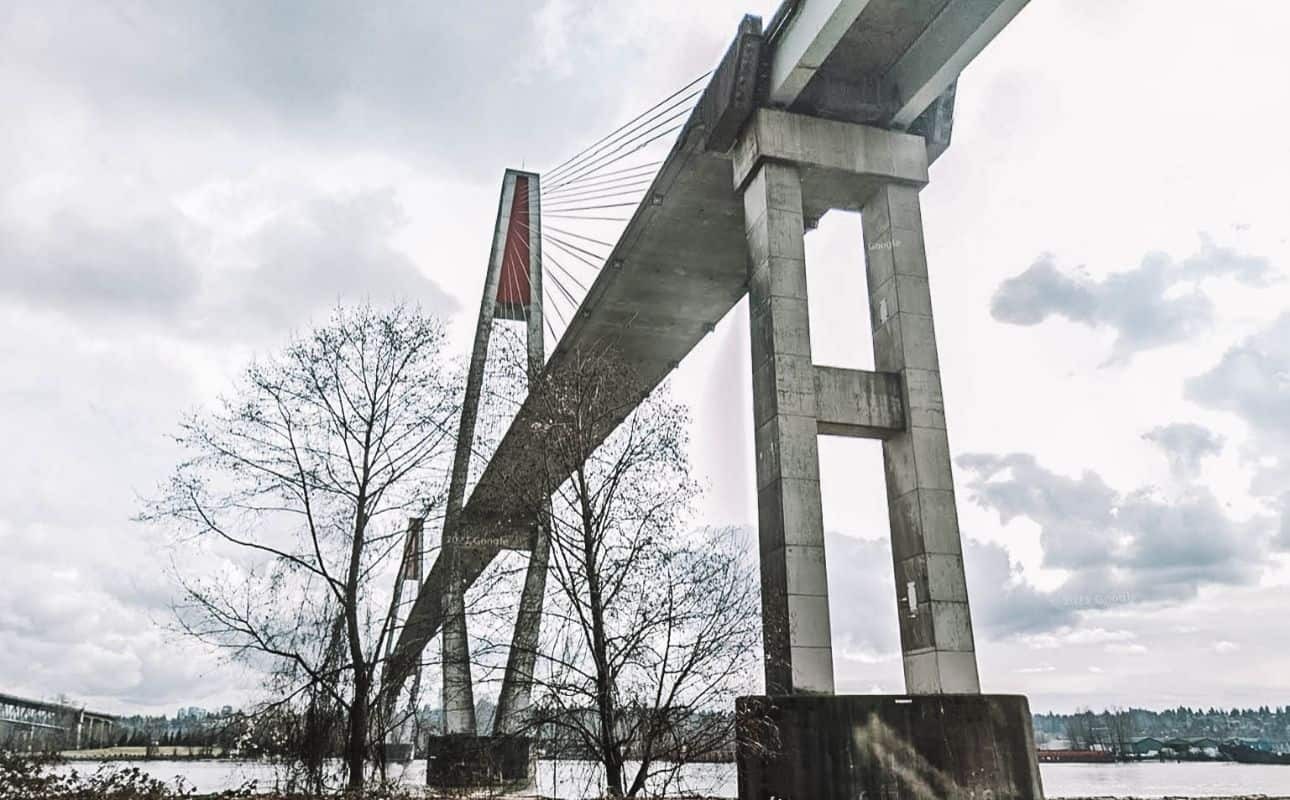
[356, 744]
[610, 755]
[359, 710]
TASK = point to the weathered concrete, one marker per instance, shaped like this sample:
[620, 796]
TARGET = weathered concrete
[794, 586]
[841, 164]
[858, 403]
[477, 761]
[935, 622]
[929, 747]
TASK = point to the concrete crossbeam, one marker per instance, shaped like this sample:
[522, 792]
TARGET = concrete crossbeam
[840, 164]
[795, 605]
[935, 622]
[858, 403]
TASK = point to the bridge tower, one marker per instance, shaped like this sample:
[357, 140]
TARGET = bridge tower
[513, 292]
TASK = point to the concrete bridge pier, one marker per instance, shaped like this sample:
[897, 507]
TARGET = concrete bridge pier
[944, 739]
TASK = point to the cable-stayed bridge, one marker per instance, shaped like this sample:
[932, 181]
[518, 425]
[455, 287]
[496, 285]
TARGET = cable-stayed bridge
[832, 104]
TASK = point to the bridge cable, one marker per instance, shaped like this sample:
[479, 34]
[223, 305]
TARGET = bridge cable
[589, 219]
[630, 153]
[565, 296]
[643, 172]
[587, 170]
[616, 173]
[568, 246]
[665, 100]
[595, 193]
[580, 236]
[595, 267]
[560, 267]
[562, 287]
[673, 112]
[637, 144]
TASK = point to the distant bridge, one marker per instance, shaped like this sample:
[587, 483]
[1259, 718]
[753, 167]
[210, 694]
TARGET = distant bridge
[24, 721]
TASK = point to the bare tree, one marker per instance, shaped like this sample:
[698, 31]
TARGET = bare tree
[300, 484]
[650, 628]
[1120, 730]
[1083, 730]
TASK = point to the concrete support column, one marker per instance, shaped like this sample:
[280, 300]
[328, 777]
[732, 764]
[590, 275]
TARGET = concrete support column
[931, 592]
[517, 685]
[795, 603]
[458, 689]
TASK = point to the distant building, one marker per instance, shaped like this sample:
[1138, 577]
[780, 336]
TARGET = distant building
[1203, 747]
[1145, 747]
[1266, 745]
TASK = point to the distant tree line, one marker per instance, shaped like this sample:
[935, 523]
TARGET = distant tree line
[1113, 727]
[267, 735]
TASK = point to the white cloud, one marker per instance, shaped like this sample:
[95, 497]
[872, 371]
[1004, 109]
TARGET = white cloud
[1159, 302]
[1069, 637]
[1129, 649]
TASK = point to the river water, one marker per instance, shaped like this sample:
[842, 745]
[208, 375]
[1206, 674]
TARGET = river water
[575, 781]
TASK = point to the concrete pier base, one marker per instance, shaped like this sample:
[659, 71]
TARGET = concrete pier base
[458, 761]
[915, 747]
[396, 752]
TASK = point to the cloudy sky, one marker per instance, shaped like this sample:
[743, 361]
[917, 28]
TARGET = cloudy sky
[184, 184]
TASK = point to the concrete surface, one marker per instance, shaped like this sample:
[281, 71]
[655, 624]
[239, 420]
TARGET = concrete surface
[794, 587]
[931, 589]
[946, 747]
